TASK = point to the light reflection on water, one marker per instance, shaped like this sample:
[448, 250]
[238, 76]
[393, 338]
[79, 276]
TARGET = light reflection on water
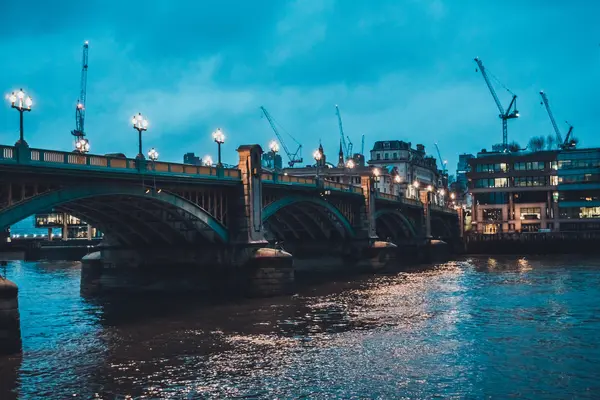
[473, 328]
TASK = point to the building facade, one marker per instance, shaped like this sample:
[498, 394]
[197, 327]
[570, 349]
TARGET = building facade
[412, 166]
[556, 191]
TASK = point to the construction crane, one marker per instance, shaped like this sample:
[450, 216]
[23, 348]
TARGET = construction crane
[79, 132]
[346, 148]
[362, 146]
[295, 157]
[559, 141]
[441, 160]
[510, 113]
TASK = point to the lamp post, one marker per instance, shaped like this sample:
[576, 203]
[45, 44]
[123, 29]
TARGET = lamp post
[397, 180]
[274, 147]
[22, 103]
[416, 186]
[153, 154]
[219, 138]
[140, 124]
[317, 156]
[82, 145]
[428, 212]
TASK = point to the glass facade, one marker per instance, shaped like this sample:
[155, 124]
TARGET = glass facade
[54, 220]
[529, 166]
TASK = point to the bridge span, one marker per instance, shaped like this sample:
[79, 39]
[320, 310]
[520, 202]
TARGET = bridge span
[227, 223]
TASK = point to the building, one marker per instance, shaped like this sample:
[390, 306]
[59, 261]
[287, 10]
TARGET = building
[462, 168]
[267, 159]
[191, 158]
[513, 192]
[411, 165]
[578, 190]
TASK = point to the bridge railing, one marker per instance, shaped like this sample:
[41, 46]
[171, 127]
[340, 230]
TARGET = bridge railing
[7, 152]
[443, 209]
[63, 158]
[344, 187]
[387, 196]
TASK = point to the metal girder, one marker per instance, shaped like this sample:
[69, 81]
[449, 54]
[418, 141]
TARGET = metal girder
[122, 213]
[287, 201]
[103, 226]
[56, 198]
[382, 212]
[288, 212]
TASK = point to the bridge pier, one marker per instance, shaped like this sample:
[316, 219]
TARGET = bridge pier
[10, 327]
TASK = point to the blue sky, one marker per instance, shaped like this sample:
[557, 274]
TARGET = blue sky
[399, 69]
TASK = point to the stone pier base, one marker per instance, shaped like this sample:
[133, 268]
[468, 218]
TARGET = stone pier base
[270, 272]
[10, 327]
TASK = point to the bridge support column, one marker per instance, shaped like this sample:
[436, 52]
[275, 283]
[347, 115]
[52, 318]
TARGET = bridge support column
[270, 272]
[10, 327]
[369, 189]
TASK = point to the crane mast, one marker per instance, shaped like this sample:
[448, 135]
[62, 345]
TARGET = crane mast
[510, 113]
[347, 149]
[362, 145]
[293, 157]
[79, 131]
[566, 144]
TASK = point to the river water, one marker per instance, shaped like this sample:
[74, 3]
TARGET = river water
[472, 328]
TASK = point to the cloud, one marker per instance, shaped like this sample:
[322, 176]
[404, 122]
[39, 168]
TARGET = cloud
[398, 69]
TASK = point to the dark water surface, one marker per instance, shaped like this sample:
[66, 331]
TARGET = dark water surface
[474, 328]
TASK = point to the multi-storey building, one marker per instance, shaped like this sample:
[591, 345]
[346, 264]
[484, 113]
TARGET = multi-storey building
[513, 192]
[579, 190]
[398, 158]
[462, 167]
[540, 191]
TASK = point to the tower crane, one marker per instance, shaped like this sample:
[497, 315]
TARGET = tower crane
[346, 148]
[441, 160]
[510, 113]
[362, 145]
[295, 157]
[79, 132]
[567, 144]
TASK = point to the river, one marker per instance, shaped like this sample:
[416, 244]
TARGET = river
[473, 328]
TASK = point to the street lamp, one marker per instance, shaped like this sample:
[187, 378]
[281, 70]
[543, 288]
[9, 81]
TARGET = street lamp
[397, 179]
[219, 138]
[429, 188]
[452, 196]
[153, 154]
[317, 156]
[22, 103]
[207, 161]
[140, 124]
[350, 164]
[274, 146]
[82, 145]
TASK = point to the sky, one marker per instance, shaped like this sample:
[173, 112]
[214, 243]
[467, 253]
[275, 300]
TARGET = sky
[398, 69]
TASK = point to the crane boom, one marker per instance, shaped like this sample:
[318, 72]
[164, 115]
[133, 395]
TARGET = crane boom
[489, 85]
[559, 140]
[80, 108]
[293, 157]
[510, 113]
[345, 148]
[440, 157]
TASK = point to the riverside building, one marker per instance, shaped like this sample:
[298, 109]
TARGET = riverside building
[544, 191]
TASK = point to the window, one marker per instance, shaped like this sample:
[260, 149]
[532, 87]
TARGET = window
[493, 214]
[395, 156]
[530, 213]
[554, 180]
[386, 156]
[529, 166]
[386, 145]
[531, 181]
[378, 156]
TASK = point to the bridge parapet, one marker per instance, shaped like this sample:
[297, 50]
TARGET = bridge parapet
[62, 159]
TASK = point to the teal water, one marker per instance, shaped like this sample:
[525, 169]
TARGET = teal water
[475, 328]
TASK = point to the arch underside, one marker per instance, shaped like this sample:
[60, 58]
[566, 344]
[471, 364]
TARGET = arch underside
[305, 220]
[128, 215]
[392, 224]
[440, 228]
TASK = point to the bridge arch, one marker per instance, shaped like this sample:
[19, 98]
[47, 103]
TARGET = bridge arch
[127, 213]
[304, 216]
[440, 227]
[392, 223]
